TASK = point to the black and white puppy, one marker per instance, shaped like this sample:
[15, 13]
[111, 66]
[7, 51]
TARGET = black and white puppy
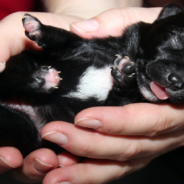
[72, 73]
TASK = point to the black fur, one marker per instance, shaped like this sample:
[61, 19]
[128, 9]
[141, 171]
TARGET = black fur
[150, 52]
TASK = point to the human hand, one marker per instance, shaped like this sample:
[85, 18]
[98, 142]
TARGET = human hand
[14, 41]
[113, 22]
[124, 139]
[38, 163]
[26, 169]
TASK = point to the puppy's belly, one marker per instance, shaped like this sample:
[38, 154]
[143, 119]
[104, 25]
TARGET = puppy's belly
[94, 83]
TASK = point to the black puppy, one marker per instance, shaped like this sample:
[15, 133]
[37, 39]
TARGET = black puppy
[72, 73]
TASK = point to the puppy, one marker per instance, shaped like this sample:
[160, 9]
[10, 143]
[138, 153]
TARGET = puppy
[72, 73]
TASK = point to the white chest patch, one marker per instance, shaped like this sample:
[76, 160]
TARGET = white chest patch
[94, 83]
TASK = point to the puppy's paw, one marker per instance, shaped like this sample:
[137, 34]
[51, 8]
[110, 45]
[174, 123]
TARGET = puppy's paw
[123, 72]
[46, 79]
[32, 28]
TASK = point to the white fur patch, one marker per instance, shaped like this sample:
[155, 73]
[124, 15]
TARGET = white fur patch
[94, 83]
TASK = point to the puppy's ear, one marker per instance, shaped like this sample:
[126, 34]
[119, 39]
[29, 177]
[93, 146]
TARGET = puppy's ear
[169, 10]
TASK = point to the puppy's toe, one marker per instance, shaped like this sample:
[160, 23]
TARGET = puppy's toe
[32, 27]
[123, 71]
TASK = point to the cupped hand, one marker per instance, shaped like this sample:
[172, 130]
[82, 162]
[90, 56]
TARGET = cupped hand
[93, 166]
[37, 164]
[120, 140]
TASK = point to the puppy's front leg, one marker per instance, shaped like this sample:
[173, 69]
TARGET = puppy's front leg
[24, 74]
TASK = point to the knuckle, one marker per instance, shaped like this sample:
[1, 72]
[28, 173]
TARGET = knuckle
[126, 170]
[161, 125]
[121, 170]
[86, 149]
[133, 149]
[118, 128]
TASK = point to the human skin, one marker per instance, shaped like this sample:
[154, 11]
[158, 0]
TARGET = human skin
[122, 142]
[128, 138]
[124, 138]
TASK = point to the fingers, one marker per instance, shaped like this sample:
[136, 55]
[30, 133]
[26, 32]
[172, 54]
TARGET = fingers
[113, 22]
[94, 171]
[134, 119]
[67, 159]
[40, 162]
[35, 166]
[89, 143]
[7, 159]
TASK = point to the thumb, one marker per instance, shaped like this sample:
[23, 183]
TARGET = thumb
[113, 22]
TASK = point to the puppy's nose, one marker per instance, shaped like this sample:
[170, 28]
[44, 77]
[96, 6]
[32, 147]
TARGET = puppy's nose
[175, 81]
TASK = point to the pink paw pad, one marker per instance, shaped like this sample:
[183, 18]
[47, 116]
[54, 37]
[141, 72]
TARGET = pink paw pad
[52, 79]
[123, 62]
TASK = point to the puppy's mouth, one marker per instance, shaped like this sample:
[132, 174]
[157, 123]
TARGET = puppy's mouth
[149, 86]
[152, 91]
[159, 91]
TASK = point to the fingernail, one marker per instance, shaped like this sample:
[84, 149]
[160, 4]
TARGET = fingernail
[88, 123]
[56, 137]
[4, 162]
[41, 166]
[2, 66]
[86, 25]
[64, 182]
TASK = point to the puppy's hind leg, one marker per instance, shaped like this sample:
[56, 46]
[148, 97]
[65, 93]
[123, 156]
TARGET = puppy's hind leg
[47, 37]
[25, 75]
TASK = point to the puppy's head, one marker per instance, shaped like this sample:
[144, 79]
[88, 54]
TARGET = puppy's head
[160, 67]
